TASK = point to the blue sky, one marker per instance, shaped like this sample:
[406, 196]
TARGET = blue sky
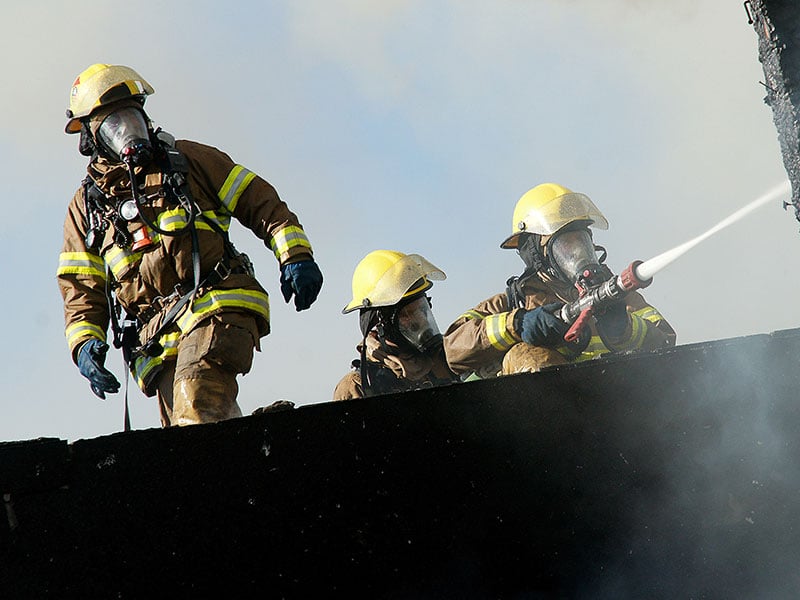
[407, 125]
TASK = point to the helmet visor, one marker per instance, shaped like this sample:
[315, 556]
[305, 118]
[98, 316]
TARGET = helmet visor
[416, 324]
[572, 251]
[562, 210]
[124, 132]
[399, 281]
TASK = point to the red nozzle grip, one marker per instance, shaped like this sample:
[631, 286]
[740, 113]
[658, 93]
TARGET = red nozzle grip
[575, 330]
[630, 281]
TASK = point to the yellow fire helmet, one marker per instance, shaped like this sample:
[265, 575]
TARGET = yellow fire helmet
[99, 85]
[384, 277]
[549, 207]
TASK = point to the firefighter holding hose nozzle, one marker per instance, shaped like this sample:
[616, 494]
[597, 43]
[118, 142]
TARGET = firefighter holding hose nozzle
[566, 306]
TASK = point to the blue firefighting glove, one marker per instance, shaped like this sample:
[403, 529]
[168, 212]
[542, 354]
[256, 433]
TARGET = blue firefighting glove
[613, 321]
[304, 280]
[91, 358]
[540, 327]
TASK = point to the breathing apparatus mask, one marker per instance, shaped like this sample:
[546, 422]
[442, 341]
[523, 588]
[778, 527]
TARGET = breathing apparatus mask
[123, 134]
[573, 254]
[415, 322]
[409, 324]
[569, 256]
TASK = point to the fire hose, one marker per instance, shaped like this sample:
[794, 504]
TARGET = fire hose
[579, 312]
[639, 274]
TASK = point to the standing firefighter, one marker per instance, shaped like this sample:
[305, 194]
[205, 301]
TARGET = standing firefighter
[146, 248]
[521, 329]
[402, 347]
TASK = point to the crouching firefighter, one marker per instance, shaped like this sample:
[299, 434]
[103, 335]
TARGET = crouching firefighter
[401, 349]
[521, 329]
[146, 249]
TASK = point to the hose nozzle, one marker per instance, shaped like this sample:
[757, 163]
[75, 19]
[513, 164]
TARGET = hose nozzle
[631, 280]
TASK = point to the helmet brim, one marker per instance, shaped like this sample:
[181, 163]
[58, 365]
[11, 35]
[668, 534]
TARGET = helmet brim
[511, 242]
[426, 285]
[398, 282]
[73, 126]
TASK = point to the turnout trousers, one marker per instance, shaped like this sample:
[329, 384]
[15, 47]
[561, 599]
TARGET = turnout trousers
[524, 358]
[200, 386]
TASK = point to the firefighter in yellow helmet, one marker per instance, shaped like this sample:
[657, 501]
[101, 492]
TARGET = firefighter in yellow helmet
[401, 349]
[146, 250]
[520, 330]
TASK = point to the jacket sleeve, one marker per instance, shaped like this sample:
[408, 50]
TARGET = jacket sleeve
[647, 329]
[349, 387]
[478, 339]
[81, 279]
[250, 199]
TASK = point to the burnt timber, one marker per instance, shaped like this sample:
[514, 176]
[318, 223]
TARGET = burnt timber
[660, 475]
[777, 24]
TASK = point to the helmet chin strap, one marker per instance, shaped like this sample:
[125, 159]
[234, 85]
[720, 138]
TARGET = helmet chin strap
[537, 259]
[86, 144]
[530, 251]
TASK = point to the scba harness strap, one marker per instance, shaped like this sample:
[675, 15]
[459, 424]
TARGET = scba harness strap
[103, 212]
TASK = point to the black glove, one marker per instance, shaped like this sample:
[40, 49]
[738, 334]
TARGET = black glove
[540, 327]
[613, 321]
[91, 358]
[304, 280]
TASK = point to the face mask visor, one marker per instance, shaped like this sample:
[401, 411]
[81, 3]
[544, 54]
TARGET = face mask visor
[123, 133]
[416, 324]
[572, 252]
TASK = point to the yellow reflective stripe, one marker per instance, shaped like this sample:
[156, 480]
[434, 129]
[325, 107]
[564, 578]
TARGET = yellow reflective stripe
[216, 300]
[636, 339]
[81, 263]
[235, 185]
[594, 349]
[649, 313]
[595, 346]
[118, 259]
[146, 366]
[639, 331]
[288, 237]
[222, 221]
[81, 330]
[172, 220]
[175, 219]
[471, 315]
[497, 331]
[134, 87]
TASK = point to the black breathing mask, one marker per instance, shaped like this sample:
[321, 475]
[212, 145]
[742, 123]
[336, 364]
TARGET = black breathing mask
[573, 258]
[124, 135]
[409, 325]
[415, 322]
[570, 252]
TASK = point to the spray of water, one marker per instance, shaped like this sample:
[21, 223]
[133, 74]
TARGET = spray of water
[650, 267]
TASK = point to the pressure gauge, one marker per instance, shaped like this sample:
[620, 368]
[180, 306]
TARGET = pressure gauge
[128, 210]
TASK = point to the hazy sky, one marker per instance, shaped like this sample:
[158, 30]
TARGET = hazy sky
[406, 125]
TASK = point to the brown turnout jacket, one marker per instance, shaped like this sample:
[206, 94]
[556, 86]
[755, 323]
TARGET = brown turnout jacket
[147, 279]
[394, 372]
[480, 338]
